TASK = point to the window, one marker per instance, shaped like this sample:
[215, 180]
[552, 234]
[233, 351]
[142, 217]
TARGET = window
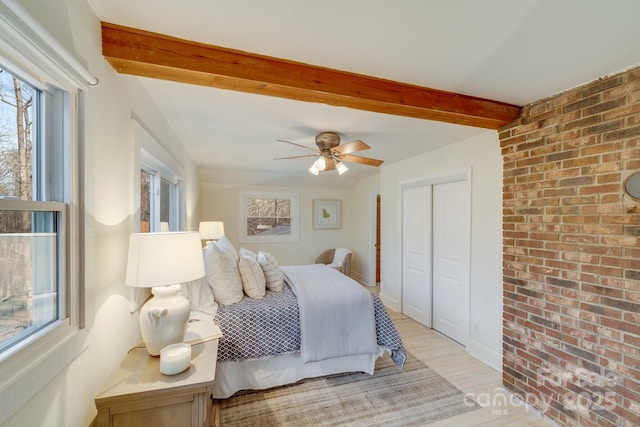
[269, 217]
[158, 202]
[32, 239]
[162, 198]
[41, 208]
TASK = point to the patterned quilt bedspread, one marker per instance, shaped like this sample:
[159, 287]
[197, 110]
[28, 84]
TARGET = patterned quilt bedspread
[262, 328]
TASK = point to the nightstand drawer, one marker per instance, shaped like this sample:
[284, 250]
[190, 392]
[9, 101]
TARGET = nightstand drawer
[177, 409]
[139, 395]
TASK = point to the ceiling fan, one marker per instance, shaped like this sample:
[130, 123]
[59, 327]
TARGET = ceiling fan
[331, 155]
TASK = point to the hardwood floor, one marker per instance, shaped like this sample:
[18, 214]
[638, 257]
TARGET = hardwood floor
[468, 374]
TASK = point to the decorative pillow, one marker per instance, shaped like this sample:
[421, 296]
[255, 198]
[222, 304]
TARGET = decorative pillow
[272, 272]
[247, 252]
[200, 296]
[222, 275]
[253, 281]
[225, 245]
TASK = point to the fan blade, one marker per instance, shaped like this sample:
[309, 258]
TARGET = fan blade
[362, 160]
[295, 157]
[350, 147]
[299, 145]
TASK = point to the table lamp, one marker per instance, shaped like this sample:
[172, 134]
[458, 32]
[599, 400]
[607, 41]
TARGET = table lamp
[162, 261]
[211, 230]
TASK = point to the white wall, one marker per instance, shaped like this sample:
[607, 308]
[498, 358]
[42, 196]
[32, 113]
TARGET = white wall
[363, 266]
[222, 203]
[109, 161]
[482, 155]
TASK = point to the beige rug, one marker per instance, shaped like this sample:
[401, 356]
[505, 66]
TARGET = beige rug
[411, 396]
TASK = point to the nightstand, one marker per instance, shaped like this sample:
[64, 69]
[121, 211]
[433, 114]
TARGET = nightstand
[137, 394]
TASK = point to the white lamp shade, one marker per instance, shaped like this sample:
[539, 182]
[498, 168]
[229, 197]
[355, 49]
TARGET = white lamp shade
[320, 164]
[158, 259]
[341, 167]
[211, 230]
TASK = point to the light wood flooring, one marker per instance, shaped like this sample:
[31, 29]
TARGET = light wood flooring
[468, 374]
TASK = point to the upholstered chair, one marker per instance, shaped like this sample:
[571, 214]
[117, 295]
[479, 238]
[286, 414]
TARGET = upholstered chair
[338, 258]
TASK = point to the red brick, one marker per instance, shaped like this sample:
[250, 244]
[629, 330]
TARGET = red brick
[571, 253]
[601, 208]
[582, 200]
[629, 110]
[611, 127]
[601, 148]
[621, 219]
[612, 177]
[602, 250]
[595, 99]
[604, 188]
[581, 161]
[602, 270]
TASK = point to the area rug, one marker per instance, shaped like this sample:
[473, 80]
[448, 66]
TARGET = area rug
[411, 396]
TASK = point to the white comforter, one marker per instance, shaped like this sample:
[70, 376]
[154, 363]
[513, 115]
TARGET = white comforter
[336, 313]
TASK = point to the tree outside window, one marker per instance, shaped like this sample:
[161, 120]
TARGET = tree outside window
[28, 238]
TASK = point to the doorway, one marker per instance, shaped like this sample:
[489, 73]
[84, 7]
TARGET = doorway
[436, 222]
[377, 239]
[373, 271]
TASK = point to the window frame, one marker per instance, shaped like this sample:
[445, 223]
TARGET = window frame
[153, 159]
[295, 215]
[30, 53]
[63, 292]
[156, 179]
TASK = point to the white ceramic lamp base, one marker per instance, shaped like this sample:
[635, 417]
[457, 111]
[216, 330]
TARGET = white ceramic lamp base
[163, 319]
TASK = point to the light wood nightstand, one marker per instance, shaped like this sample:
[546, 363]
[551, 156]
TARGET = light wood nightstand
[137, 394]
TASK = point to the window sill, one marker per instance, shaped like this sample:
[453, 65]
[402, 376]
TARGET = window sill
[27, 370]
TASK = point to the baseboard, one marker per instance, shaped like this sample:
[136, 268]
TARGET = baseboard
[485, 355]
[362, 278]
[390, 302]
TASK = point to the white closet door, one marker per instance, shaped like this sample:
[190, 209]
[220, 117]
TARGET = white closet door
[451, 255]
[416, 254]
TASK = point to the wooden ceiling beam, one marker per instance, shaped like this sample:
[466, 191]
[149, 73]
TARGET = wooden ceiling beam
[146, 54]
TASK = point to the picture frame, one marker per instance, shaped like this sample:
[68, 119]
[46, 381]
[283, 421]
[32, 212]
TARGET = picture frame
[262, 213]
[326, 214]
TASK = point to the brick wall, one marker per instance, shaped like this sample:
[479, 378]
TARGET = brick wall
[571, 257]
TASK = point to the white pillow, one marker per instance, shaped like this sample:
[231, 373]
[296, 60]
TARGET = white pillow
[253, 281]
[225, 244]
[222, 275]
[247, 252]
[200, 296]
[272, 272]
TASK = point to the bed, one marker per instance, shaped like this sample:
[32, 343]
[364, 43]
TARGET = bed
[320, 323]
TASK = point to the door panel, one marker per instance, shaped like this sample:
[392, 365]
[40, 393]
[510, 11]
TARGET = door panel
[416, 254]
[451, 284]
[378, 239]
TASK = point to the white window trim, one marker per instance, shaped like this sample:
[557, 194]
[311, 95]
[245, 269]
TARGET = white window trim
[30, 47]
[293, 198]
[151, 155]
[26, 368]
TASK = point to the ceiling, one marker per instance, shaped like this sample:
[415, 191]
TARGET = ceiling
[510, 51]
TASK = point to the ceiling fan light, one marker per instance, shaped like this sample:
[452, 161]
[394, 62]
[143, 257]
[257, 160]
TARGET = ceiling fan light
[313, 169]
[341, 167]
[320, 164]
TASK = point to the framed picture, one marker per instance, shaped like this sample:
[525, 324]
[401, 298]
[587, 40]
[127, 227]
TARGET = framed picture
[268, 217]
[326, 214]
